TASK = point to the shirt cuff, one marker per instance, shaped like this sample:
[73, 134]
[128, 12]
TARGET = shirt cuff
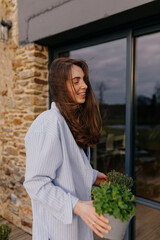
[74, 201]
[68, 210]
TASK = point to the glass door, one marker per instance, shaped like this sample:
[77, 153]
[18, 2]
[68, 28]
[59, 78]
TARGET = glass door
[148, 134]
[126, 80]
[107, 71]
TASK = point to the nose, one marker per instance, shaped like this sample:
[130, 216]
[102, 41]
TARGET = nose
[84, 85]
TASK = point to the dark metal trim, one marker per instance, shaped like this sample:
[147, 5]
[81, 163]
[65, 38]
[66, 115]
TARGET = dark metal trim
[91, 42]
[129, 105]
[148, 203]
[138, 33]
[129, 157]
[130, 100]
[147, 30]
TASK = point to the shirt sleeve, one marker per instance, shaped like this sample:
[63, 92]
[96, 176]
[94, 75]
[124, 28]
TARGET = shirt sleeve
[43, 158]
[95, 172]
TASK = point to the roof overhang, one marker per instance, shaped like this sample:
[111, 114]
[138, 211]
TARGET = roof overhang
[44, 22]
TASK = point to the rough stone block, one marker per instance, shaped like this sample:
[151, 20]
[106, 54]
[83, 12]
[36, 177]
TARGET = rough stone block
[16, 63]
[40, 55]
[39, 101]
[20, 51]
[22, 153]
[26, 222]
[13, 182]
[29, 74]
[29, 118]
[26, 125]
[40, 81]
[18, 91]
[23, 83]
[38, 47]
[11, 104]
[11, 151]
[27, 100]
[8, 215]
[38, 109]
[13, 209]
[8, 171]
[17, 121]
[13, 198]
[41, 61]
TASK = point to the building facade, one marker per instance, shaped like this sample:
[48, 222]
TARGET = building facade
[23, 95]
[120, 40]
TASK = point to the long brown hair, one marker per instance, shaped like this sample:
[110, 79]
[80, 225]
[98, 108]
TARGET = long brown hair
[84, 120]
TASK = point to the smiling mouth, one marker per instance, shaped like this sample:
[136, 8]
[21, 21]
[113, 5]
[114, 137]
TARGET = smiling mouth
[82, 94]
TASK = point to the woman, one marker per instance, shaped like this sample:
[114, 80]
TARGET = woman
[59, 176]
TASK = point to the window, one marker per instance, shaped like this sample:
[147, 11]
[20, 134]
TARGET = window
[122, 91]
[147, 160]
[107, 68]
[148, 117]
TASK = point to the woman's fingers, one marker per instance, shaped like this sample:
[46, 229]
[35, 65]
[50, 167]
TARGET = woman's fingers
[94, 229]
[104, 222]
[104, 219]
[99, 223]
[97, 232]
[102, 226]
[99, 229]
[88, 214]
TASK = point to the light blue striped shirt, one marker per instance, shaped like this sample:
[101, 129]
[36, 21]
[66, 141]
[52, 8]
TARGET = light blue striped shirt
[58, 174]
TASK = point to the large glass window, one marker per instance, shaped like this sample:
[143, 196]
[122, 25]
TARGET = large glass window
[107, 71]
[148, 117]
[148, 134]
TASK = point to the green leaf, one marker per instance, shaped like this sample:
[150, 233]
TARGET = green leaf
[114, 199]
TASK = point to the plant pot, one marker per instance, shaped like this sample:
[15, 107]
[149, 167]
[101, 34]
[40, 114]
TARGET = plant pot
[118, 228]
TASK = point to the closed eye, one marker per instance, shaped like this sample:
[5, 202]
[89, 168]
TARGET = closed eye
[76, 80]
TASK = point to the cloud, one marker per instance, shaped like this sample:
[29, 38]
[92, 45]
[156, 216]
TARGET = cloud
[107, 62]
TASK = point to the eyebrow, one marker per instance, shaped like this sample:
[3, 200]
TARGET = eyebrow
[75, 78]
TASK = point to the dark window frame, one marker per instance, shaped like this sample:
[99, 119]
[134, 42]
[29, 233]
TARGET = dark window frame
[130, 35]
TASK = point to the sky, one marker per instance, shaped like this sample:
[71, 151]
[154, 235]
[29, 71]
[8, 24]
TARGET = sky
[107, 65]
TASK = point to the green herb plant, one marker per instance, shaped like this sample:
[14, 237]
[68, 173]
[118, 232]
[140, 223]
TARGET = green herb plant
[5, 231]
[119, 178]
[115, 198]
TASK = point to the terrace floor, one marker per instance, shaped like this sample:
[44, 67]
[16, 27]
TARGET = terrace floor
[147, 226]
[17, 233]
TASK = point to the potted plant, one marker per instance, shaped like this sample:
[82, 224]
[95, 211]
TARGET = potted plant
[115, 200]
[5, 231]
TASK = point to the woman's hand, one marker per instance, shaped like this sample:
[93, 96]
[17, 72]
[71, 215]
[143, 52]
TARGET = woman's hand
[101, 177]
[87, 212]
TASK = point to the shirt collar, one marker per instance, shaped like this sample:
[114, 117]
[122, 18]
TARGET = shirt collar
[53, 106]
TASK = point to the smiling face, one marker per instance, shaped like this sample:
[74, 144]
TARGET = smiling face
[77, 86]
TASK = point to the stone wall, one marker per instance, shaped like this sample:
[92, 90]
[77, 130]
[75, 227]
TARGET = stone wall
[23, 96]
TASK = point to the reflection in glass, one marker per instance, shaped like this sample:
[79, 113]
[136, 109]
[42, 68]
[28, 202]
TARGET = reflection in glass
[107, 71]
[147, 223]
[148, 117]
